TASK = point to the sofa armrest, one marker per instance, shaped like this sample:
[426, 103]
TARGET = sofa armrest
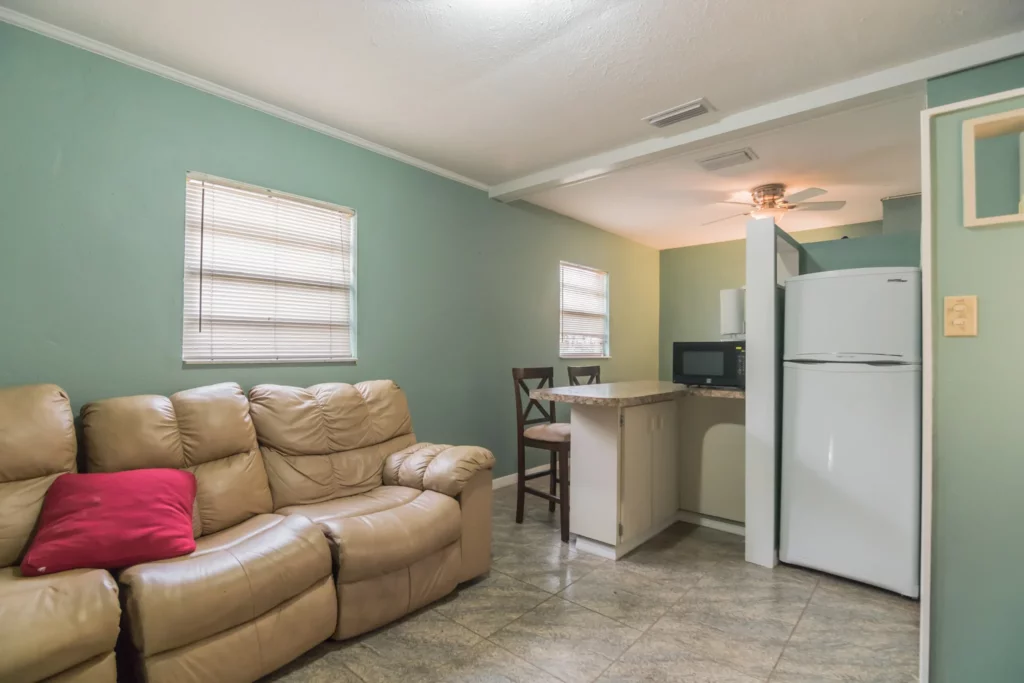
[437, 467]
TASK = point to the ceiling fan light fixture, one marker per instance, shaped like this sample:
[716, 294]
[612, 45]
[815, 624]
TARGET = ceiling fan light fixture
[774, 212]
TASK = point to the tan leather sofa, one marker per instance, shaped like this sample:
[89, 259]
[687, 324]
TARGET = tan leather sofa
[59, 627]
[406, 521]
[258, 590]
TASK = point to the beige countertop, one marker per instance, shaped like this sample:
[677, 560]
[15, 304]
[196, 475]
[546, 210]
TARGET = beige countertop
[625, 394]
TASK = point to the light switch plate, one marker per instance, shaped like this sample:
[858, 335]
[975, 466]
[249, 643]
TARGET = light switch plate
[961, 316]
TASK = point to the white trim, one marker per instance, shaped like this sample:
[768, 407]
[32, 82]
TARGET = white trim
[928, 359]
[510, 479]
[927, 394]
[63, 35]
[806, 105]
[1007, 122]
[716, 523]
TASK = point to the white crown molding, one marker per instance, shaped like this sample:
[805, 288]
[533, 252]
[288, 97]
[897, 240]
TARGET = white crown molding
[880, 85]
[77, 40]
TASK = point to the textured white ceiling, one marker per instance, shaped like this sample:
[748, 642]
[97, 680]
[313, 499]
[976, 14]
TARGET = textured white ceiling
[860, 156]
[494, 89]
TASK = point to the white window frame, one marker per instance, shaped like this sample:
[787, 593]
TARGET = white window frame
[607, 313]
[353, 323]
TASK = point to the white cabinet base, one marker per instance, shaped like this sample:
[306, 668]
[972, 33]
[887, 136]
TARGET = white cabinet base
[624, 475]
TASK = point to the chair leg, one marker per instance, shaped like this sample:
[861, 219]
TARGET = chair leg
[520, 483]
[563, 468]
[554, 479]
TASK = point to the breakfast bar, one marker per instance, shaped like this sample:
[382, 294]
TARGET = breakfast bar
[625, 472]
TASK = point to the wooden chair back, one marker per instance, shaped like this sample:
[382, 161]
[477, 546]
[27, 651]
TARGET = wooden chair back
[520, 377]
[591, 372]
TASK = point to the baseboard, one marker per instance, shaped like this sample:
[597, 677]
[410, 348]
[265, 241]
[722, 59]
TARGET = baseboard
[510, 479]
[710, 522]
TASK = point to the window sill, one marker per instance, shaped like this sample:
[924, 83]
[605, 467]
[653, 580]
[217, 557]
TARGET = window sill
[585, 357]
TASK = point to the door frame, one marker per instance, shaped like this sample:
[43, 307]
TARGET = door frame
[928, 358]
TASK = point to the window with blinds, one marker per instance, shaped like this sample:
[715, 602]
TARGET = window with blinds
[269, 277]
[583, 332]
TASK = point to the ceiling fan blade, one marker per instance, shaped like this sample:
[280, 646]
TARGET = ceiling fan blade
[738, 203]
[719, 220]
[809, 193]
[820, 206]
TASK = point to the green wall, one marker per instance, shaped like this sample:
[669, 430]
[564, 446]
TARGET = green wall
[453, 291]
[691, 277]
[895, 249]
[1006, 74]
[978, 545]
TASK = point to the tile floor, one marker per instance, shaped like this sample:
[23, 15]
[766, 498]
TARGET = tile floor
[683, 607]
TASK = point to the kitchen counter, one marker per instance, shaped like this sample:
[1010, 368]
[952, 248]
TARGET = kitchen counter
[626, 394]
[625, 436]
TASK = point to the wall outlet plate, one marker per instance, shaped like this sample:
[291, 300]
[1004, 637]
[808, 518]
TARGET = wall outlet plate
[961, 316]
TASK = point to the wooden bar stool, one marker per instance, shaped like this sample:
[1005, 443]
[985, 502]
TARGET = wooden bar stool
[591, 372]
[543, 432]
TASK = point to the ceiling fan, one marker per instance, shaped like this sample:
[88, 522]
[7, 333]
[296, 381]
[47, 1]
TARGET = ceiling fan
[772, 200]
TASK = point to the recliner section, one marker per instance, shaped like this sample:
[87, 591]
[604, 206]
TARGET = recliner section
[345, 457]
[58, 627]
[256, 592]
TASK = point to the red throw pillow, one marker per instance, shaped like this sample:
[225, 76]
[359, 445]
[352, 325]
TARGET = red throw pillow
[107, 521]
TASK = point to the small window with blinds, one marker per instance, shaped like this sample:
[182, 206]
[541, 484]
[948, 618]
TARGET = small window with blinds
[583, 331]
[269, 276]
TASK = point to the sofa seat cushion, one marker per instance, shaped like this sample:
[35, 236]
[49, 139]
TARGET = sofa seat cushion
[374, 544]
[375, 500]
[231, 578]
[49, 624]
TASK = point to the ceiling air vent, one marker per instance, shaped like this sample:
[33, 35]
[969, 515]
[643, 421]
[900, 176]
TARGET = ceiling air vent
[720, 161]
[681, 113]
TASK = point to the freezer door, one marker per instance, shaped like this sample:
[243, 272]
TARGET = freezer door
[857, 315]
[851, 472]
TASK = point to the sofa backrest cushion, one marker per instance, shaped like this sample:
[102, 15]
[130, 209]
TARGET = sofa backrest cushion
[329, 440]
[37, 444]
[206, 431]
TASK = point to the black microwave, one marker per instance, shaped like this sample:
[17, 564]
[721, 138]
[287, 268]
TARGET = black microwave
[710, 364]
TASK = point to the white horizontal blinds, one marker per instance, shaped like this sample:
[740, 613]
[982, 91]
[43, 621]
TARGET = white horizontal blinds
[268, 276]
[584, 311]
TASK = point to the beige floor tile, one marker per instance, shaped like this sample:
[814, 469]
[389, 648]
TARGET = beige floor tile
[417, 648]
[842, 654]
[765, 610]
[485, 662]
[550, 568]
[658, 659]
[751, 653]
[486, 605]
[621, 592]
[566, 640]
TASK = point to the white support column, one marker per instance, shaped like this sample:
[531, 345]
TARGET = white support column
[763, 319]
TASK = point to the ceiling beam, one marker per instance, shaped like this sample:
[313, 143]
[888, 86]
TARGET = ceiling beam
[881, 85]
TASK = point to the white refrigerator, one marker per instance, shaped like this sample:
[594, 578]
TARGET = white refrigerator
[851, 426]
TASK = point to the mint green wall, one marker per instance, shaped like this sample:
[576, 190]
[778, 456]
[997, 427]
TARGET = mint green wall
[978, 545]
[1006, 74]
[454, 289]
[895, 249]
[691, 277]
